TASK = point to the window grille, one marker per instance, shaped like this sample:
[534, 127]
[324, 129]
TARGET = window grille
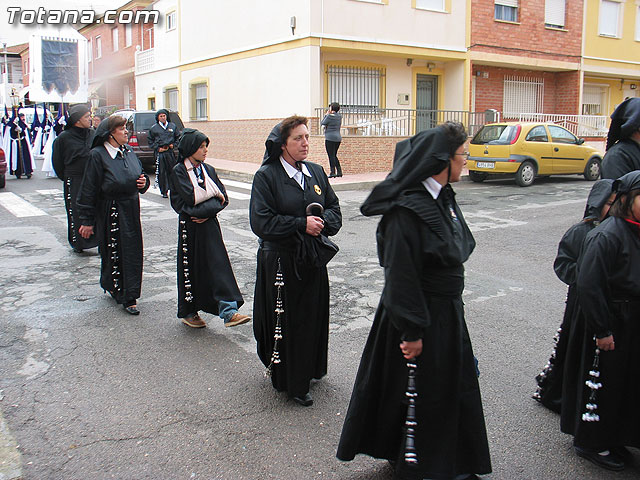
[522, 95]
[554, 13]
[355, 87]
[506, 10]
[593, 97]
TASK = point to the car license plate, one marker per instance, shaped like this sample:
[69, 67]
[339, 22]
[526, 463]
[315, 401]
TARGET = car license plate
[485, 164]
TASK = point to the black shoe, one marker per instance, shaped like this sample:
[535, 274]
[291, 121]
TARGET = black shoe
[622, 452]
[304, 400]
[331, 175]
[28, 176]
[339, 174]
[164, 195]
[132, 310]
[609, 461]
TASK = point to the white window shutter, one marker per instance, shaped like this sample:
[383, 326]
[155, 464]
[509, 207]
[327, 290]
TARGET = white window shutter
[554, 12]
[507, 3]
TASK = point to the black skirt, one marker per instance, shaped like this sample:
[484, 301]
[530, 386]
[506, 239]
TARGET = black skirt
[450, 435]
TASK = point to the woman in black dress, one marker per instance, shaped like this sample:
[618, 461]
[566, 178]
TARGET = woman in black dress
[549, 391]
[291, 304]
[600, 401]
[205, 278]
[109, 205]
[417, 369]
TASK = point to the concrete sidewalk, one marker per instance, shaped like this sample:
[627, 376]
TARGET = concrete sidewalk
[243, 171]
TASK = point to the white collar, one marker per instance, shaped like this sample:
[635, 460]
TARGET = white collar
[111, 150]
[433, 187]
[164, 125]
[291, 171]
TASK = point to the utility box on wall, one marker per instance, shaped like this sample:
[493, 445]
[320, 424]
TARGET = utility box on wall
[403, 99]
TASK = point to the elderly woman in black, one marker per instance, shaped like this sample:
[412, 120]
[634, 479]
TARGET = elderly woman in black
[416, 399]
[600, 405]
[108, 204]
[292, 209]
[205, 278]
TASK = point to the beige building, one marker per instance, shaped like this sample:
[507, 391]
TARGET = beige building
[234, 69]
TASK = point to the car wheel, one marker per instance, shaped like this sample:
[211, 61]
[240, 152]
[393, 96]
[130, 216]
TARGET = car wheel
[526, 174]
[592, 170]
[477, 176]
[2, 181]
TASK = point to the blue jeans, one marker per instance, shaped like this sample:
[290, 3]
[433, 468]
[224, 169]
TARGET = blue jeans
[227, 309]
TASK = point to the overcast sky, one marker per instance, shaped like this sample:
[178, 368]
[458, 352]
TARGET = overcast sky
[15, 33]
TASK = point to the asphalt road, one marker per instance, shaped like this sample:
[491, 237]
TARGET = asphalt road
[89, 392]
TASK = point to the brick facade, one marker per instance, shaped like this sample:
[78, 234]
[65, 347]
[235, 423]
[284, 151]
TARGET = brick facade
[109, 73]
[528, 39]
[561, 89]
[243, 141]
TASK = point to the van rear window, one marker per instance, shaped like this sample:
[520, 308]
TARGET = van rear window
[495, 135]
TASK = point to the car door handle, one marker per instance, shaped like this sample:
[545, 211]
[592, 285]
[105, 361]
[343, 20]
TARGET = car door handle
[555, 149]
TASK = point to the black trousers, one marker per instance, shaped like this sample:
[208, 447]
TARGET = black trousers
[332, 152]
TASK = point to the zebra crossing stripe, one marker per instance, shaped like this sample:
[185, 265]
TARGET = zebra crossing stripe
[19, 207]
[233, 183]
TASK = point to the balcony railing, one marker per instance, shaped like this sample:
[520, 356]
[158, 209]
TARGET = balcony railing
[145, 61]
[579, 125]
[372, 121]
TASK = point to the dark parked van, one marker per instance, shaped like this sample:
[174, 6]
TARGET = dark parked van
[138, 124]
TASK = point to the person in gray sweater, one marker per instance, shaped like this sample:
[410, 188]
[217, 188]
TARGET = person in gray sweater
[332, 122]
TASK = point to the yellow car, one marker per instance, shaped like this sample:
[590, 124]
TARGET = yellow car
[528, 150]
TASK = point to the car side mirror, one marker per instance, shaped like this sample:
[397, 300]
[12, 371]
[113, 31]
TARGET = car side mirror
[580, 141]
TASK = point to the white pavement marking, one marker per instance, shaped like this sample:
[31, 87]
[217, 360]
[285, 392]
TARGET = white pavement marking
[154, 190]
[144, 203]
[238, 195]
[19, 207]
[53, 191]
[557, 203]
[233, 183]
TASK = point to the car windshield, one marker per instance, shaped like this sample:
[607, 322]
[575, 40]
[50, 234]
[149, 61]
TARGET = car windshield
[144, 121]
[495, 135]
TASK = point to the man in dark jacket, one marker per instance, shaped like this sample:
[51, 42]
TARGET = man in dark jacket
[623, 141]
[69, 158]
[163, 136]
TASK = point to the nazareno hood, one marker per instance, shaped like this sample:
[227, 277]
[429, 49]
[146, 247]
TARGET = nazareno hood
[624, 121]
[600, 193]
[626, 183]
[102, 133]
[273, 145]
[416, 159]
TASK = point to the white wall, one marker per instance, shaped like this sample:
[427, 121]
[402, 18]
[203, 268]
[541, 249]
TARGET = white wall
[269, 86]
[214, 28]
[395, 23]
[154, 83]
